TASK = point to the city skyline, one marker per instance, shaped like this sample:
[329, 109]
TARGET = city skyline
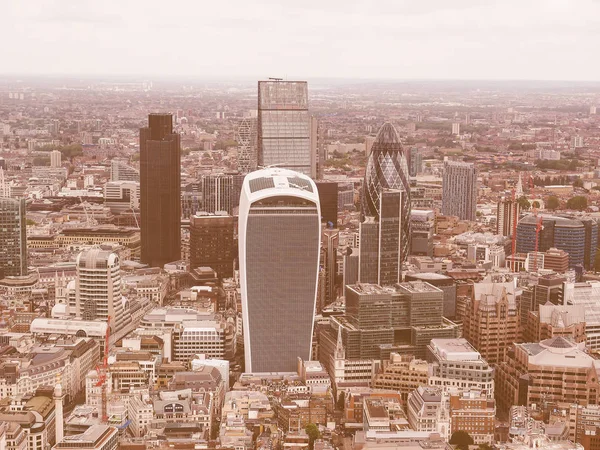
[508, 40]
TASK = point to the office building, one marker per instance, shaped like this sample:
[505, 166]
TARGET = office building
[217, 193]
[428, 411]
[402, 373]
[491, 322]
[579, 238]
[55, 158]
[98, 288]
[507, 216]
[246, 135]
[328, 198]
[212, 243]
[13, 237]
[422, 227]
[474, 413]
[284, 125]
[122, 196]
[443, 282]
[553, 370]
[160, 191]
[96, 437]
[387, 168]
[557, 260]
[415, 161]
[457, 367]
[381, 241]
[121, 171]
[459, 190]
[556, 320]
[548, 289]
[279, 246]
[331, 240]
[586, 294]
[317, 149]
[456, 128]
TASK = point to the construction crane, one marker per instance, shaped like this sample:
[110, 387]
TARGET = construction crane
[103, 373]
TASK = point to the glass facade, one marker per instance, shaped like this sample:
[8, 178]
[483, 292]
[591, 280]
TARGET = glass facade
[387, 168]
[160, 191]
[284, 125]
[13, 238]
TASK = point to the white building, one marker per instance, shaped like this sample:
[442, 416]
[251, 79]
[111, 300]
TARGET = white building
[428, 410]
[55, 158]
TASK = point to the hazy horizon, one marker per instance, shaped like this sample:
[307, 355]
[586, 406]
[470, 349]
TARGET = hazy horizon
[393, 40]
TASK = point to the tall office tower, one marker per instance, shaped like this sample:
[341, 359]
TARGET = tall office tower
[212, 243]
[317, 149]
[217, 191]
[55, 158]
[246, 139]
[120, 171]
[368, 265]
[160, 189]
[387, 168]
[328, 198]
[459, 190]
[456, 128]
[284, 125]
[390, 232]
[507, 214]
[13, 237]
[279, 246]
[331, 239]
[98, 288]
[415, 161]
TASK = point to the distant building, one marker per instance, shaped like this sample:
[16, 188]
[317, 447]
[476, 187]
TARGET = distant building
[459, 190]
[428, 410]
[328, 198]
[55, 158]
[474, 413]
[96, 437]
[246, 135]
[507, 216]
[556, 320]
[456, 128]
[13, 237]
[212, 243]
[120, 171]
[160, 191]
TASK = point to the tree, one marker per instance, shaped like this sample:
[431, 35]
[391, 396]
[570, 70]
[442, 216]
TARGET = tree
[578, 183]
[535, 204]
[552, 202]
[579, 203]
[461, 439]
[313, 434]
[524, 203]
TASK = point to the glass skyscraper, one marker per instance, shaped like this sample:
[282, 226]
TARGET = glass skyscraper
[284, 127]
[13, 237]
[160, 191]
[279, 247]
[387, 167]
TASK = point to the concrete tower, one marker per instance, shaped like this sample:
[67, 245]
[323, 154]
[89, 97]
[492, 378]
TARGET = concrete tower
[58, 408]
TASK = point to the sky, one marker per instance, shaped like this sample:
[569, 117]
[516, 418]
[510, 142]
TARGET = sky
[362, 39]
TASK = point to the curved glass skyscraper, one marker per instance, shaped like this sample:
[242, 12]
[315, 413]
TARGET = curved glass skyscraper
[279, 248]
[387, 168]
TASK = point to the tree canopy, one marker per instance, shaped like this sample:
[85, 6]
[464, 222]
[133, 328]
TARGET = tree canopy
[579, 203]
[461, 439]
[313, 434]
[552, 202]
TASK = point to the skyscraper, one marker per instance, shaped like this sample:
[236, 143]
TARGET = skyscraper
[284, 127]
[217, 193]
[380, 242]
[160, 191]
[13, 237]
[246, 139]
[98, 287]
[55, 158]
[459, 190]
[507, 214]
[387, 168]
[279, 246]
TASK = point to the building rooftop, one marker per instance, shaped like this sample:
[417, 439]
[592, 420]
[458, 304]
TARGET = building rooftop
[458, 349]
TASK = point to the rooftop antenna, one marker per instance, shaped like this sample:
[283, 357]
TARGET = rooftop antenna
[275, 79]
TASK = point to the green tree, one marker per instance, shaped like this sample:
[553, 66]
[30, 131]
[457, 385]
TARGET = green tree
[313, 434]
[485, 447]
[461, 439]
[552, 202]
[30, 222]
[524, 203]
[579, 203]
[578, 183]
[535, 204]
